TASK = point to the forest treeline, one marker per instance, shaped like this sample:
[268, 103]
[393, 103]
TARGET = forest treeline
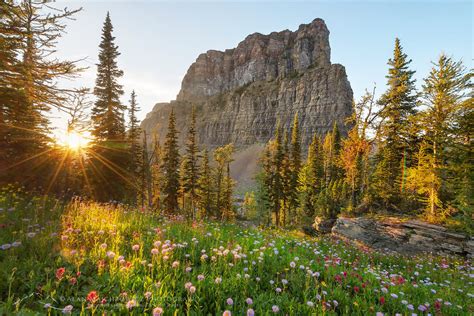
[409, 152]
[119, 164]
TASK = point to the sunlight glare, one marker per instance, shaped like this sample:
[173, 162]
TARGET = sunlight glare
[74, 140]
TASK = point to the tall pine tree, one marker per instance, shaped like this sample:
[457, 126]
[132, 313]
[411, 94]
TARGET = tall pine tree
[295, 168]
[110, 154]
[171, 181]
[191, 165]
[134, 132]
[29, 76]
[397, 142]
[107, 113]
[205, 190]
[444, 91]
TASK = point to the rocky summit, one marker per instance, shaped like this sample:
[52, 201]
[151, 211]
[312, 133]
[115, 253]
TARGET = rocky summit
[241, 93]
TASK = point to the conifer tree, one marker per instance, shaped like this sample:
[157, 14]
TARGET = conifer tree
[286, 175]
[29, 74]
[107, 114]
[171, 181]
[265, 186]
[191, 165]
[444, 91]
[295, 168]
[156, 172]
[228, 213]
[110, 153]
[397, 140]
[205, 187]
[134, 131]
[276, 191]
[223, 158]
[310, 179]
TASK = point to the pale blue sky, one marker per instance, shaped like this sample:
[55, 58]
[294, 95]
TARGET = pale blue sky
[158, 40]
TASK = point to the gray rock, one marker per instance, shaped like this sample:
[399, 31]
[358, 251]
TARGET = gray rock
[323, 225]
[241, 93]
[404, 237]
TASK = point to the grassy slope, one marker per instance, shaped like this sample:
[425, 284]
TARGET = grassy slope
[335, 277]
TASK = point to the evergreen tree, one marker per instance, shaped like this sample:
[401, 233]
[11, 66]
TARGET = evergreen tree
[223, 158]
[286, 176]
[29, 88]
[295, 169]
[228, 213]
[276, 191]
[155, 167]
[110, 159]
[205, 187]
[444, 91]
[191, 165]
[107, 114]
[311, 179]
[397, 141]
[171, 166]
[462, 165]
[134, 131]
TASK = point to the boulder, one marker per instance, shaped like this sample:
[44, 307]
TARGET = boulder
[323, 225]
[407, 237]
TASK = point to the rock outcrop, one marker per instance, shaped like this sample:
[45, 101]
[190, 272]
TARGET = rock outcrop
[407, 237]
[241, 93]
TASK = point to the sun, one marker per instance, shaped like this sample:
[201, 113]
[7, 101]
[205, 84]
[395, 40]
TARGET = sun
[74, 140]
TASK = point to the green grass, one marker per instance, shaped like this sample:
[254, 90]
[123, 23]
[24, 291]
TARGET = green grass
[297, 274]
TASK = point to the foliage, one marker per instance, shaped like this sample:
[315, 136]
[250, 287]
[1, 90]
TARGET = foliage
[95, 258]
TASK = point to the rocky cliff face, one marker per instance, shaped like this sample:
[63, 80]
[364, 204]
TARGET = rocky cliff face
[258, 57]
[241, 93]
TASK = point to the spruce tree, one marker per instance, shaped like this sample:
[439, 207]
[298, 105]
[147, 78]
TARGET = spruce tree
[228, 213]
[223, 158]
[107, 114]
[311, 178]
[171, 160]
[29, 74]
[156, 173]
[444, 91]
[191, 165]
[205, 187]
[286, 176]
[295, 168]
[276, 191]
[110, 153]
[397, 141]
[134, 131]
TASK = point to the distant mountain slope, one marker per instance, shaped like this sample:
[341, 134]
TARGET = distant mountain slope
[241, 93]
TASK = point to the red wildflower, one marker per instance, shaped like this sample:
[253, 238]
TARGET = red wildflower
[338, 278]
[103, 301]
[437, 305]
[382, 300]
[60, 273]
[73, 280]
[92, 297]
[356, 289]
[101, 264]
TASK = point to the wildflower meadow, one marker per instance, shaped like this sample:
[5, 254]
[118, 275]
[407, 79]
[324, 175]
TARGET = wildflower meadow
[86, 258]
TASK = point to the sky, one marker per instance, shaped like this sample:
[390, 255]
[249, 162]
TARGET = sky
[159, 40]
